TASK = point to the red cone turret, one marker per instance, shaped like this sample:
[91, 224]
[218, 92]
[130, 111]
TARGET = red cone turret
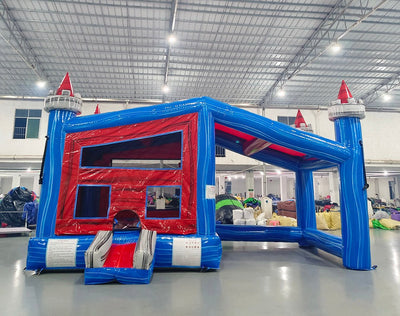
[65, 85]
[345, 105]
[299, 120]
[64, 98]
[97, 111]
[344, 93]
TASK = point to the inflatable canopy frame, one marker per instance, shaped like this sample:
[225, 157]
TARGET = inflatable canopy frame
[227, 126]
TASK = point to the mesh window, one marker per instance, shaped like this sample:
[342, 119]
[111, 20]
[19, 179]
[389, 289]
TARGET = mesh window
[163, 202]
[92, 202]
[156, 152]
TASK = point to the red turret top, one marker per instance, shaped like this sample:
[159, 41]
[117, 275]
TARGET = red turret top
[344, 93]
[65, 85]
[299, 119]
[97, 111]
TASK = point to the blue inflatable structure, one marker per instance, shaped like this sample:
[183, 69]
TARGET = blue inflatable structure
[159, 163]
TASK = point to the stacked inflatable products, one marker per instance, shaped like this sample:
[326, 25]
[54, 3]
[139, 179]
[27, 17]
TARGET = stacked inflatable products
[244, 217]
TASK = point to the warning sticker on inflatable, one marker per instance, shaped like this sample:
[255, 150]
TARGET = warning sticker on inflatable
[210, 191]
[186, 252]
[61, 253]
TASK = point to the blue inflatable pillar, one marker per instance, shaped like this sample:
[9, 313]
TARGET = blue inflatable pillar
[305, 205]
[206, 174]
[346, 114]
[62, 106]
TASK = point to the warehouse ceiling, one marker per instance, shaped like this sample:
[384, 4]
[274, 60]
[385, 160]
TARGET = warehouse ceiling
[283, 53]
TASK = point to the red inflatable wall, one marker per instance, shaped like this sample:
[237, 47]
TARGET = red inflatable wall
[128, 185]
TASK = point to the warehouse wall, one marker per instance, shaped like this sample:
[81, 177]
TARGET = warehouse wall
[379, 187]
[380, 131]
[10, 147]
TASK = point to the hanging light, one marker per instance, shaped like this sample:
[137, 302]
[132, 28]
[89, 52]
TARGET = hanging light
[281, 93]
[172, 39]
[165, 88]
[335, 47]
[386, 97]
[41, 84]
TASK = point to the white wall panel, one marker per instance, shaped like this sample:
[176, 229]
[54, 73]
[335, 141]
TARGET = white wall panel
[380, 131]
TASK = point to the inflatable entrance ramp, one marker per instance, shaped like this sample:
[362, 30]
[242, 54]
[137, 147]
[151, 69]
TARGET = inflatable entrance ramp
[122, 256]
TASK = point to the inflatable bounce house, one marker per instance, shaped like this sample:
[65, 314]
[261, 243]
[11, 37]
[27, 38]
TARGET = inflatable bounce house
[126, 191]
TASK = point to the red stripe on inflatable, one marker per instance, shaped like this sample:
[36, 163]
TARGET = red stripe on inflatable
[233, 132]
[286, 150]
[250, 138]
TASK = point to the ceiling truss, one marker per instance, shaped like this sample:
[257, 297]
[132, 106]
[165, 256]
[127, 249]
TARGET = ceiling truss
[239, 52]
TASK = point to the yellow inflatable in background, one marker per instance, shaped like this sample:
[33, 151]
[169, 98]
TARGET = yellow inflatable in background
[331, 221]
[284, 220]
[389, 223]
[321, 221]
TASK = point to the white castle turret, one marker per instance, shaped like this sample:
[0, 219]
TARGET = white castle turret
[300, 123]
[64, 98]
[346, 105]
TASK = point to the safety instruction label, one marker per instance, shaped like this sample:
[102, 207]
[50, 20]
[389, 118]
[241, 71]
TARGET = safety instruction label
[186, 252]
[61, 253]
[210, 191]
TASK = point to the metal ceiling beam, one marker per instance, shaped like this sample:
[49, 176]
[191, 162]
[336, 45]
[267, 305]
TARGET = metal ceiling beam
[174, 10]
[129, 4]
[385, 88]
[329, 30]
[16, 39]
[183, 21]
[166, 4]
[258, 13]
[188, 53]
[309, 15]
[131, 68]
[318, 6]
[217, 60]
[242, 27]
[159, 50]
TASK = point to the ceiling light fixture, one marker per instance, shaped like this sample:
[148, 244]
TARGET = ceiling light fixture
[41, 84]
[172, 39]
[335, 47]
[386, 97]
[165, 88]
[281, 93]
[385, 173]
[278, 171]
